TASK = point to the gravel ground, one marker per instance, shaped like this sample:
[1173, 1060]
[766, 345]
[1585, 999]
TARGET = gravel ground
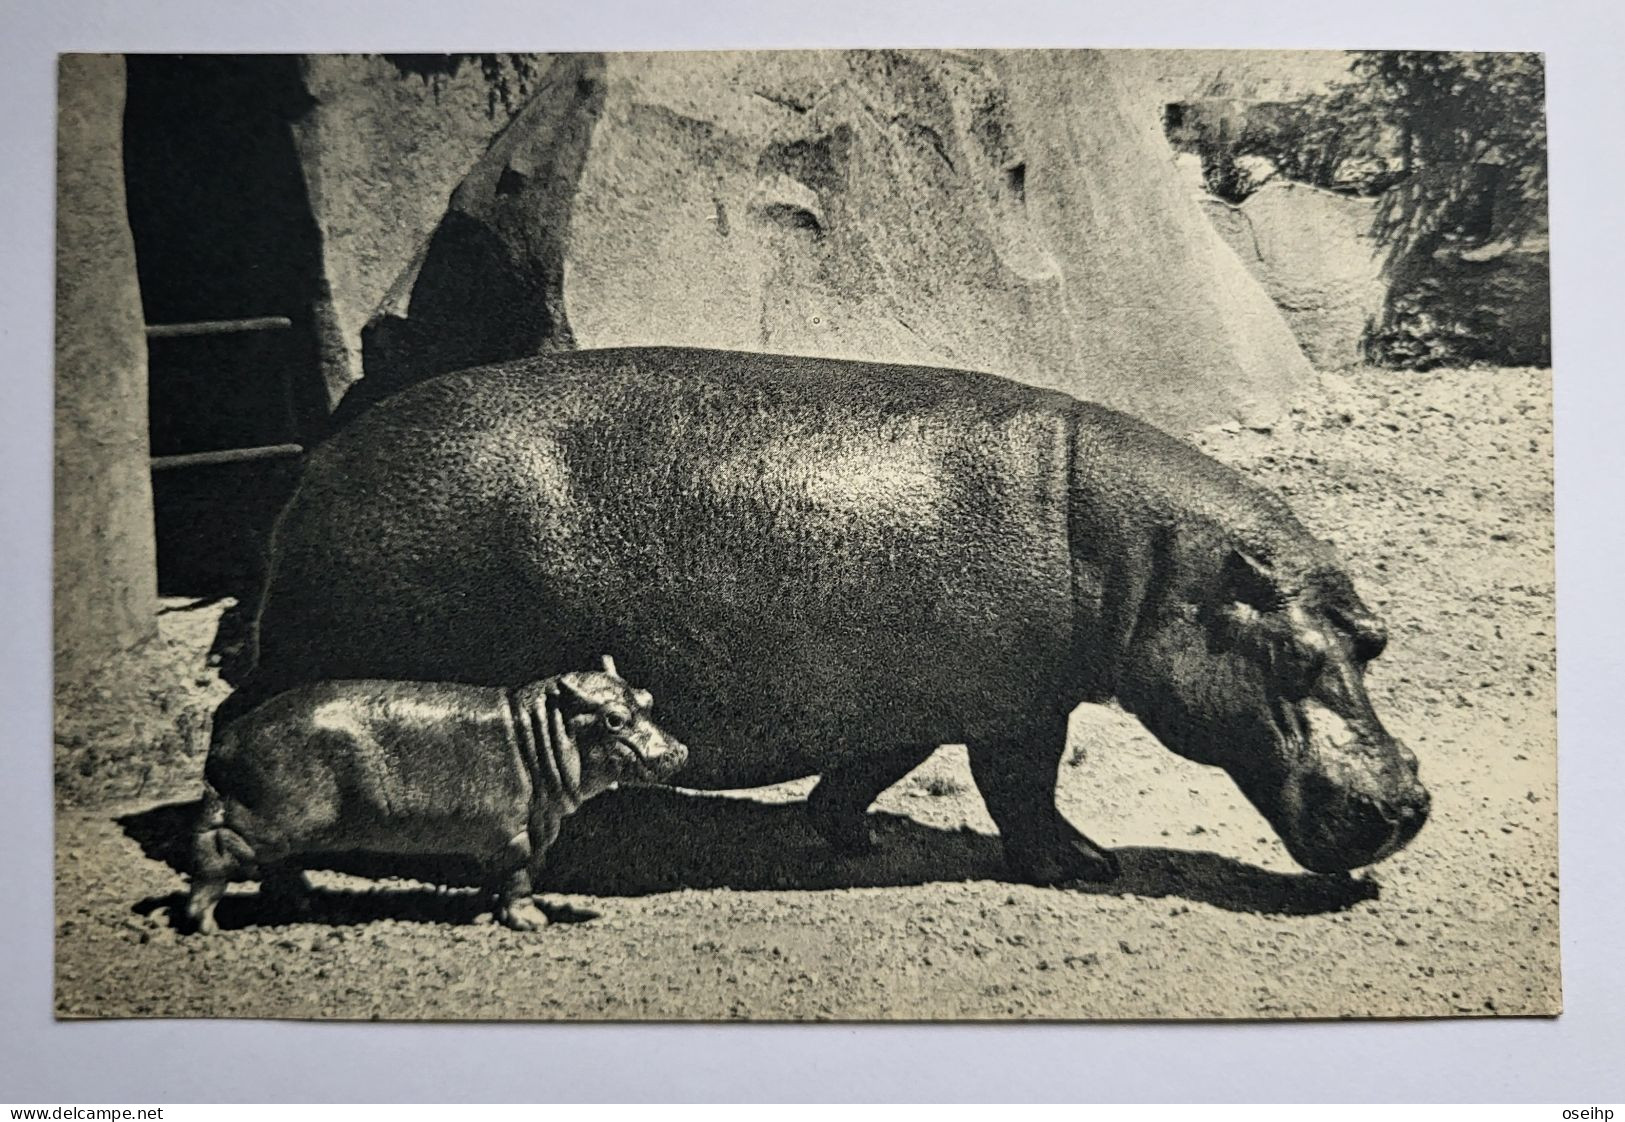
[671, 905]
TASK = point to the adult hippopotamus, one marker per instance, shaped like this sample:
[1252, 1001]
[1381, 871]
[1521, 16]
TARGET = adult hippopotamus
[831, 567]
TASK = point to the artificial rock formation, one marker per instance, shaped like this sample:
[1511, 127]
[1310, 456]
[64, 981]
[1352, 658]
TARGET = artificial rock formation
[1015, 212]
[381, 150]
[1315, 254]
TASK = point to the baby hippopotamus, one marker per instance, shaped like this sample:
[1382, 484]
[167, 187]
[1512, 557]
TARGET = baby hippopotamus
[426, 769]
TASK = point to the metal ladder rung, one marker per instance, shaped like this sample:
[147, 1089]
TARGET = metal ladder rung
[227, 456]
[217, 327]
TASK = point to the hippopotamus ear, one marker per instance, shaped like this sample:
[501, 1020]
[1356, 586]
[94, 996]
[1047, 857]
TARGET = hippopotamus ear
[1248, 580]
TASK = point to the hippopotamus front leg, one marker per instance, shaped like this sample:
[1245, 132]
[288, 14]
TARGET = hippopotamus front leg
[1017, 775]
[515, 906]
[839, 805]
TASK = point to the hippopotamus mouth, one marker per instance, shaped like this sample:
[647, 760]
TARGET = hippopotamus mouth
[1338, 830]
[651, 765]
[1349, 797]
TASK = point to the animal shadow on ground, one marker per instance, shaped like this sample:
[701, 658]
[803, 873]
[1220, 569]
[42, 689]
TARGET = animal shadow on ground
[164, 833]
[640, 841]
[340, 907]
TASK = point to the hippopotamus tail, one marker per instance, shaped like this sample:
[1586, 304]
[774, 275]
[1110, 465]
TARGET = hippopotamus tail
[215, 845]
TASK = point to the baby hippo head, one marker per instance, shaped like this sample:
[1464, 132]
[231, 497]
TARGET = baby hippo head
[615, 736]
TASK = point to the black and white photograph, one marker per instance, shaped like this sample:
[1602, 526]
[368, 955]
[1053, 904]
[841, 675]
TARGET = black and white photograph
[804, 535]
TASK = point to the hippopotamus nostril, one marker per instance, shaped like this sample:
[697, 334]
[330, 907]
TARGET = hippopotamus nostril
[1414, 811]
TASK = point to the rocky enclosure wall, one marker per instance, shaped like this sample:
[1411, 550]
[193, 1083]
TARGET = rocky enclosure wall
[1016, 212]
[382, 151]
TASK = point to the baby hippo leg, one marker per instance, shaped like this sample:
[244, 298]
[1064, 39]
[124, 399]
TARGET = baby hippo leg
[514, 906]
[219, 856]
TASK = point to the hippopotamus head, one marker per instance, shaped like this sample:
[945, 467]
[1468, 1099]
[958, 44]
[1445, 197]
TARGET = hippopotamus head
[1252, 657]
[612, 726]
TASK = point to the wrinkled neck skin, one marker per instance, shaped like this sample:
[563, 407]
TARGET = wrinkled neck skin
[545, 746]
[1150, 517]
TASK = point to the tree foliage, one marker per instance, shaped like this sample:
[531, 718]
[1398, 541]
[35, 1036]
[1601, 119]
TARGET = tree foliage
[1458, 115]
[1333, 140]
[1454, 143]
[1453, 147]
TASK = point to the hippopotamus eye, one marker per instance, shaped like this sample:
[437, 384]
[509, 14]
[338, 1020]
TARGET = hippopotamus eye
[1308, 660]
[615, 720]
[1369, 635]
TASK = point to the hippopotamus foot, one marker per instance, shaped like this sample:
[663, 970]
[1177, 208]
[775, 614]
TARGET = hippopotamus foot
[1017, 781]
[1060, 862]
[219, 855]
[521, 915]
[839, 805]
[200, 905]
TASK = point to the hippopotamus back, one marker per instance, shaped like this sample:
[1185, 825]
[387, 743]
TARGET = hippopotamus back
[790, 551]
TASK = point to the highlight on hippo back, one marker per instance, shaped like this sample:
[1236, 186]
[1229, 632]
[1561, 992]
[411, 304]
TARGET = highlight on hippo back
[830, 568]
[430, 770]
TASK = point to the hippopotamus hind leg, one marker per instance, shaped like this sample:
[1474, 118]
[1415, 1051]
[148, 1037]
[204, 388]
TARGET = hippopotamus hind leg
[1016, 776]
[839, 805]
[219, 856]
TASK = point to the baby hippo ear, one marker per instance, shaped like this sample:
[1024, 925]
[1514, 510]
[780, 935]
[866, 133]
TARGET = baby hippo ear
[644, 698]
[568, 688]
[609, 667]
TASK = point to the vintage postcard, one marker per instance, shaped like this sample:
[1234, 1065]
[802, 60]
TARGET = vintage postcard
[818, 535]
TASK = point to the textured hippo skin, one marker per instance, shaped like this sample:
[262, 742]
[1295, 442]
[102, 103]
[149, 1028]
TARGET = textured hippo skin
[827, 567]
[412, 769]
